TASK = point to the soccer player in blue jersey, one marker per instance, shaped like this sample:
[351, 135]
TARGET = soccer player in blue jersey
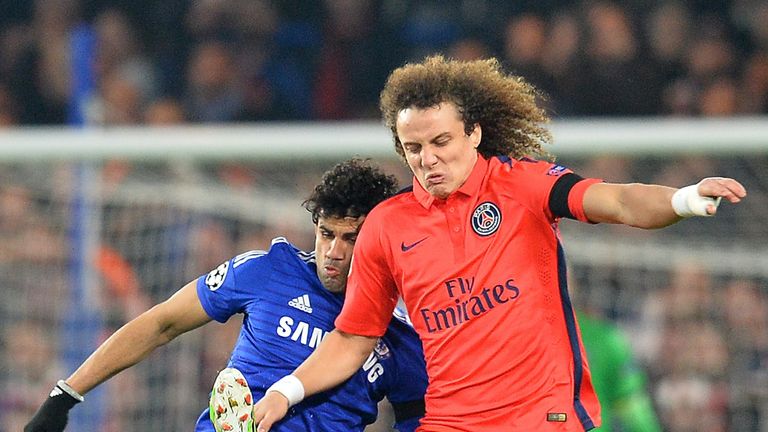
[289, 299]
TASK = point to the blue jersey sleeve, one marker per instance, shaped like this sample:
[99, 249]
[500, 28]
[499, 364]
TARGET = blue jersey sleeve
[219, 292]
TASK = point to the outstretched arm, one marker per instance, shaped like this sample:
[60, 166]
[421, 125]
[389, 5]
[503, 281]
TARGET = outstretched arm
[134, 341]
[651, 206]
[336, 359]
[126, 347]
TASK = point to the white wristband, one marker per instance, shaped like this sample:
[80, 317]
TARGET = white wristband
[290, 387]
[687, 202]
[70, 391]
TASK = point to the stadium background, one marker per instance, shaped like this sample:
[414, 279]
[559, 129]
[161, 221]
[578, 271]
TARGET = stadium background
[207, 122]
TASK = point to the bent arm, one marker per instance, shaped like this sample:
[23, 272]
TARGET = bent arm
[336, 359]
[134, 341]
[650, 206]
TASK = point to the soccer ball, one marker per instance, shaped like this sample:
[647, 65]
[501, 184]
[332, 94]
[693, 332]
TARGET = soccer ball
[231, 404]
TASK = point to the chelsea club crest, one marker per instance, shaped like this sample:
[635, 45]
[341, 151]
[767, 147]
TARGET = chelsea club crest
[486, 219]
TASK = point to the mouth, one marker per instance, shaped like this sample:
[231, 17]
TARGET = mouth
[331, 271]
[434, 179]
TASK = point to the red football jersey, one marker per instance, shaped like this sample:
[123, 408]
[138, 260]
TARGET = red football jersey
[482, 274]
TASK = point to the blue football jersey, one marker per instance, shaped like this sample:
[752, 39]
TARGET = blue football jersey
[287, 312]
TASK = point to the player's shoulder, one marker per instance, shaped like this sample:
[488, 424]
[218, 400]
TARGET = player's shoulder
[280, 252]
[527, 166]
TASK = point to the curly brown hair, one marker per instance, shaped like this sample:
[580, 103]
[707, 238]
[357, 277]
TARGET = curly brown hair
[503, 105]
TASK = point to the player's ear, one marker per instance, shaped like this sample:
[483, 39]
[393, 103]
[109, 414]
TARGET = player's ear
[476, 135]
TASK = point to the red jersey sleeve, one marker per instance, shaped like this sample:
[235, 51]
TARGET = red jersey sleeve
[576, 198]
[554, 189]
[371, 292]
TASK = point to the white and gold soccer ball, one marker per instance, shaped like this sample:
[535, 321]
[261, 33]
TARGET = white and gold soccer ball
[231, 403]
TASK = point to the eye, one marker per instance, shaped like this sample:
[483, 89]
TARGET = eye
[412, 148]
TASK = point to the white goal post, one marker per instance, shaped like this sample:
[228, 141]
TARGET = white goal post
[333, 141]
[340, 139]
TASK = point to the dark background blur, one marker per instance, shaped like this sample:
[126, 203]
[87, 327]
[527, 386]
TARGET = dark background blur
[250, 60]
[692, 299]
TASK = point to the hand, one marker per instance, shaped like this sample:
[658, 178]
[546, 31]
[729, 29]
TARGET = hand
[268, 410]
[720, 187]
[52, 414]
[43, 422]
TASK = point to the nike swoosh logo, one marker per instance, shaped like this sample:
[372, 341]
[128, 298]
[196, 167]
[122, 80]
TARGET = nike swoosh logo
[406, 248]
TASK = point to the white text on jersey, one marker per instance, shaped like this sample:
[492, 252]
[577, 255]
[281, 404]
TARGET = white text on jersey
[303, 333]
[312, 336]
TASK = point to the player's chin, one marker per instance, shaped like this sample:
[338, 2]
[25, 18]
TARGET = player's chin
[334, 284]
[439, 191]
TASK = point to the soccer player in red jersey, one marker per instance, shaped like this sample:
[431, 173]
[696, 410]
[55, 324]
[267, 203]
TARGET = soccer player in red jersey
[473, 250]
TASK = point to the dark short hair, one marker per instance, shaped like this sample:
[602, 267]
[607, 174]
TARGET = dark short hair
[350, 189]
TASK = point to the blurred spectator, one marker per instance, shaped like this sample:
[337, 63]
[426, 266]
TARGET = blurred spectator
[690, 404]
[28, 236]
[427, 27]
[668, 27]
[615, 79]
[754, 94]
[214, 93]
[119, 52]
[52, 24]
[339, 92]
[687, 296]
[119, 102]
[164, 112]
[29, 362]
[746, 321]
[8, 110]
[469, 49]
[692, 394]
[562, 60]
[719, 98]
[524, 40]
[251, 60]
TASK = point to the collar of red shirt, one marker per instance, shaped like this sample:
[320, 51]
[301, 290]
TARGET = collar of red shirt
[470, 187]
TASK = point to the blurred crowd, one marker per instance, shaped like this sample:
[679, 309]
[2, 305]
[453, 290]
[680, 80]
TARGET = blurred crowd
[700, 332]
[159, 62]
[698, 329]
[701, 336]
[694, 311]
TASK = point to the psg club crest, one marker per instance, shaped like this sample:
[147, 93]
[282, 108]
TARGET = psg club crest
[486, 219]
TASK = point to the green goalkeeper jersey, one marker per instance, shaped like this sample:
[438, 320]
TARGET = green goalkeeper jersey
[619, 383]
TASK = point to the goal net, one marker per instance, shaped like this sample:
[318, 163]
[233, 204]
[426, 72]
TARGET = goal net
[98, 225]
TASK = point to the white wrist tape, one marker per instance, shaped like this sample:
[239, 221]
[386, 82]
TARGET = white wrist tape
[687, 202]
[290, 387]
[69, 390]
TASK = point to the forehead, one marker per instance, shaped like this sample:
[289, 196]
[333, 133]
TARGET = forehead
[340, 225]
[425, 120]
